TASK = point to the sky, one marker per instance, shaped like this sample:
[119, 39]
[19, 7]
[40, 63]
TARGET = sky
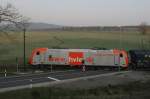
[85, 12]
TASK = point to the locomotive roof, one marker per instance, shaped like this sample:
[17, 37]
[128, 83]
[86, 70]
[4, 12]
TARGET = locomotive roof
[81, 49]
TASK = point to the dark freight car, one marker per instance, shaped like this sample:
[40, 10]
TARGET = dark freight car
[139, 58]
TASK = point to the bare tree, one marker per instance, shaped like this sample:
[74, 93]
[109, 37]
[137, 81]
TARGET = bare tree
[11, 20]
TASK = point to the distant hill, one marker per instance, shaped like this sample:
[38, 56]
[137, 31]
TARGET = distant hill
[42, 26]
[39, 26]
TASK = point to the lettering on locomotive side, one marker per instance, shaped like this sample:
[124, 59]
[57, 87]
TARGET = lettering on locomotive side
[57, 59]
[75, 58]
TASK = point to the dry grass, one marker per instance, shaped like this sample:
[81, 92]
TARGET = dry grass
[136, 90]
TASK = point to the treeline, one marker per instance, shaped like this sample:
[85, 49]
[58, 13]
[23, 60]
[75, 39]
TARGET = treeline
[95, 28]
[98, 28]
[102, 28]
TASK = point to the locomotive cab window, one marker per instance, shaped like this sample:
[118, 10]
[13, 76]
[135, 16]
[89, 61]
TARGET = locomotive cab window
[121, 55]
[38, 53]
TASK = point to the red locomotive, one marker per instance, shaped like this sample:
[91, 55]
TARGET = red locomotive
[79, 57]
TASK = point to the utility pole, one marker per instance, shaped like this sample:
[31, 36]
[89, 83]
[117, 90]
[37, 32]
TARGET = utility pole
[24, 49]
[120, 30]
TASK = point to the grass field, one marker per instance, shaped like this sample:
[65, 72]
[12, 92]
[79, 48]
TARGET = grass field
[11, 46]
[136, 90]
